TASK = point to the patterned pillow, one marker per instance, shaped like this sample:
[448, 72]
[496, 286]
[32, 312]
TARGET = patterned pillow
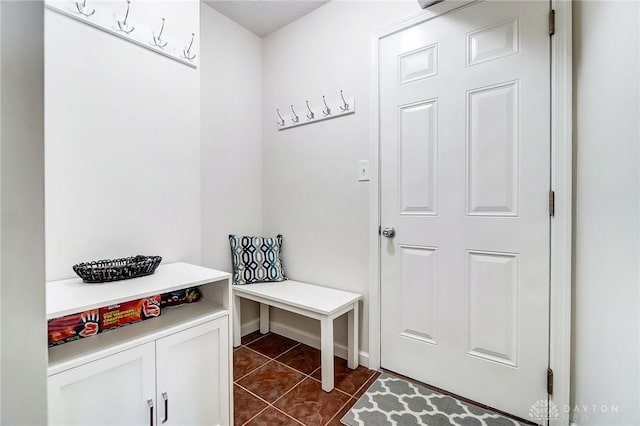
[256, 259]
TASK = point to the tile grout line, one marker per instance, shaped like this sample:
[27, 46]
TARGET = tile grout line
[364, 384]
[254, 340]
[292, 388]
[288, 350]
[267, 362]
[291, 417]
[257, 414]
[254, 351]
[305, 376]
[258, 367]
[308, 376]
[253, 394]
[277, 362]
[296, 370]
[340, 409]
[261, 354]
[350, 397]
[270, 359]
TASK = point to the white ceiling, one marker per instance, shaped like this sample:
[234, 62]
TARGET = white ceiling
[262, 17]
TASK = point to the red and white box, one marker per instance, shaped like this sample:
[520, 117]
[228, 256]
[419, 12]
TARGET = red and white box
[73, 327]
[125, 313]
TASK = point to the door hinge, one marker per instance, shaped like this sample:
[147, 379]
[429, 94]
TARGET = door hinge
[379, 230]
[552, 22]
[549, 381]
[552, 203]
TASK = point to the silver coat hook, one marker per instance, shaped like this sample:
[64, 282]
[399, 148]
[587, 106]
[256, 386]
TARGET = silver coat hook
[122, 25]
[326, 111]
[157, 41]
[187, 52]
[295, 117]
[311, 115]
[280, 119]
[345, 106]
[83, 9]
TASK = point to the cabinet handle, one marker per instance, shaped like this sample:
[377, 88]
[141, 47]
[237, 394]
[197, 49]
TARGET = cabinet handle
[150, 403]
[166, 406]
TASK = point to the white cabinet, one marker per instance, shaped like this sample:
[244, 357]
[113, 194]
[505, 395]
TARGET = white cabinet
[181, 379]
[193, 376]
[170, 370]
[109, 391]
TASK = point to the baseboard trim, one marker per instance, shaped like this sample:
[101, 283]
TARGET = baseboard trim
[250, 327]
[302, 337]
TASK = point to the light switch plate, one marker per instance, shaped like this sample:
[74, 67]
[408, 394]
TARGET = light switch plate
[363, 170]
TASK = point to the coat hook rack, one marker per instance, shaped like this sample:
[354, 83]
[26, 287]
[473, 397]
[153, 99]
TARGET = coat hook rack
[83, 9]
[326, 111]
[295, 119]
[187, 53]
[343, 106]
[123, 25]
[311, 115]
[157, 40]
[162, 40]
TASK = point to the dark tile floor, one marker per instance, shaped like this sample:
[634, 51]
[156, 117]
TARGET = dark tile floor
[277, 382]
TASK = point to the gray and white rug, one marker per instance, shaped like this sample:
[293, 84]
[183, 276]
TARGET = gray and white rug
[393, 401]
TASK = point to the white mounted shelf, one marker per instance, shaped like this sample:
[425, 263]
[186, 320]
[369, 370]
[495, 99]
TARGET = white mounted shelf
[106, 20]
[73, 296]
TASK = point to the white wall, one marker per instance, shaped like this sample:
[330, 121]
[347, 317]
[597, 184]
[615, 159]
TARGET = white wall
[23, 352]
[606, 295]
[231, 152]
[310, 190]
[122, 144]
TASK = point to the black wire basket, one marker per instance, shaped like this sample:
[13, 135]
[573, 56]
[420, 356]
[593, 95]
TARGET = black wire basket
[102, 271]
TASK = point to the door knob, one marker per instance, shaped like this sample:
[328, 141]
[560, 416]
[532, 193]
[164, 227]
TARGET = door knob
[388, 232]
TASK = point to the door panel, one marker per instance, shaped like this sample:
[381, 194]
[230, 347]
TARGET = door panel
[492, 150]
[492, 306]
[193, 376]
[464, 178]
[110, 391]
[418, 296]
[418, 156]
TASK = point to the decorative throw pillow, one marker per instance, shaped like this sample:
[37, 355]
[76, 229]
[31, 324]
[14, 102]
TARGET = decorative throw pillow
[256, 259]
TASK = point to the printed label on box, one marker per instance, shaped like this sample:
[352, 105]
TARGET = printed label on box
[73, 327]
[124, 313]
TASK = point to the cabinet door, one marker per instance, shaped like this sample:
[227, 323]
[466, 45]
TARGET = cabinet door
[193, 375]
[114, 390]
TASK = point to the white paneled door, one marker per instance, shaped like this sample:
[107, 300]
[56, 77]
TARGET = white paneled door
[464, 169]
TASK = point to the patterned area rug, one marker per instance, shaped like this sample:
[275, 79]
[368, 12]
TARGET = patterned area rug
[393, 401]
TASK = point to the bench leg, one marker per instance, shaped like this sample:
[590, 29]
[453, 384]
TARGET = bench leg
[264, 318]
[352, 343]
[326, 347]
[237, 322]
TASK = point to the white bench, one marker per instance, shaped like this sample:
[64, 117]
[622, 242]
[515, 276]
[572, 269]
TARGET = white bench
[322, 303]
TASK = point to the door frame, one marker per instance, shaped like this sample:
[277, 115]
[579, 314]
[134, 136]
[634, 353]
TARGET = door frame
[561, 183]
